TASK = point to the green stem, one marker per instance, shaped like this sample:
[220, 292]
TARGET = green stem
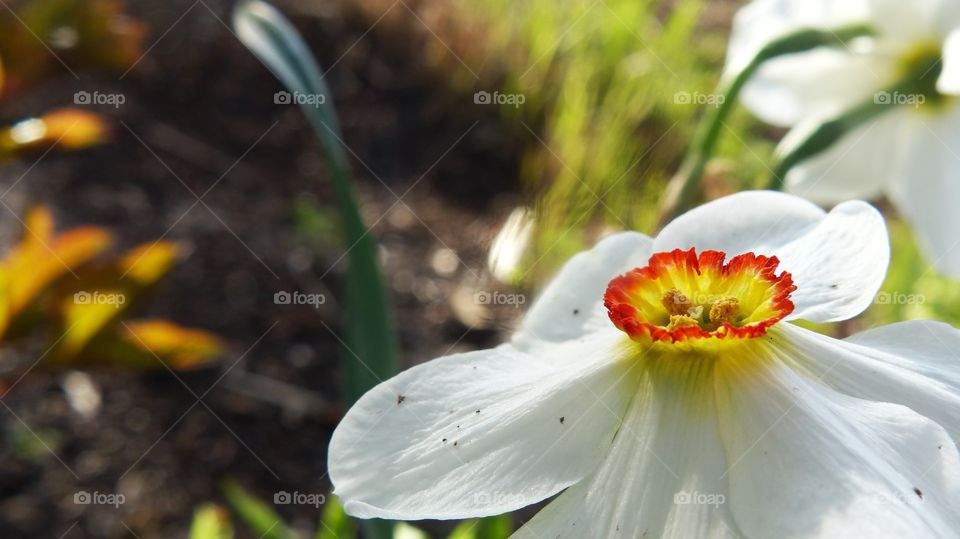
[370, 355]
[684, 186]
[919, 81]
[822, 138]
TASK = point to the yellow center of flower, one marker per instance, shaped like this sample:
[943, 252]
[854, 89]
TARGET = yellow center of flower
[922, 64]
[682, 297]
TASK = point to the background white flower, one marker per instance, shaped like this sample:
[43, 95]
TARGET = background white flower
[911, 153]
[509, 245]
[791, 434]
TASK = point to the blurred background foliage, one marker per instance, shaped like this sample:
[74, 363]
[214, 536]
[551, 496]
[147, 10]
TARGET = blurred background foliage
[67, 287]
[611, 89]
[39, 39]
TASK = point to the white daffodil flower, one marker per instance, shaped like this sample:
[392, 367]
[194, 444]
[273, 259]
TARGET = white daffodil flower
[658, 387]
[911, 153]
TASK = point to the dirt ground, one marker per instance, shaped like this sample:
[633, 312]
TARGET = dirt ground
[199, 121]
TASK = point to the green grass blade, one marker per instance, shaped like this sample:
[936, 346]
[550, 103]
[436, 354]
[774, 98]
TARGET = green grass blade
[369, 329]
[370, 338]
[498, 527]
[334, 523]
[258, 515]
[211, 522]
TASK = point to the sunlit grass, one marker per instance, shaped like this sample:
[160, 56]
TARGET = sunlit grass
[913, 289]
[610, 91]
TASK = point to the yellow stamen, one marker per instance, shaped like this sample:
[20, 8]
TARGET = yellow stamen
[681, 321]
[725, 310]
[675, 302]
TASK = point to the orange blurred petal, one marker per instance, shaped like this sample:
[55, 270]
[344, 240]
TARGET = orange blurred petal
[177, 346]
[68, 129]
[148, 262]
[41, 258]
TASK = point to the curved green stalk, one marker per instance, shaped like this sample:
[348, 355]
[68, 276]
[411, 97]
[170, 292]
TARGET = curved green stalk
[370, 340]
[683, 187]
[919, 81]
[822, 138]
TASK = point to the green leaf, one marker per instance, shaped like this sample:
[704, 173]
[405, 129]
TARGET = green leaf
[684, 186]
[334, 523]
[210, 521]
[497, 527]
[258, 516]
[370, 339]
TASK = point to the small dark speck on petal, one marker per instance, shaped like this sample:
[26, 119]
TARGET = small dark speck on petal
[444, 440]
[918, 492]
[940, 447]
[455, 443]
[478, 411]
[400, 399]
[576, 311]
[834, 286]
[562, 419]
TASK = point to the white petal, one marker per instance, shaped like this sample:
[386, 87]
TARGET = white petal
[761, 21]
[808, 462]
[913, 21]
[838, 260]
[510, 244]
[480, 433]
[949, 81]
[926, 187]
[572, 304]
[911, 363]
[663, 476]
[822, 81]
[858, 166]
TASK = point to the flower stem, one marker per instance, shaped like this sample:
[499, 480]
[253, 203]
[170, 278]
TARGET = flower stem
[683, 187]
[822, 138]
[919, 81]
[370, 341]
